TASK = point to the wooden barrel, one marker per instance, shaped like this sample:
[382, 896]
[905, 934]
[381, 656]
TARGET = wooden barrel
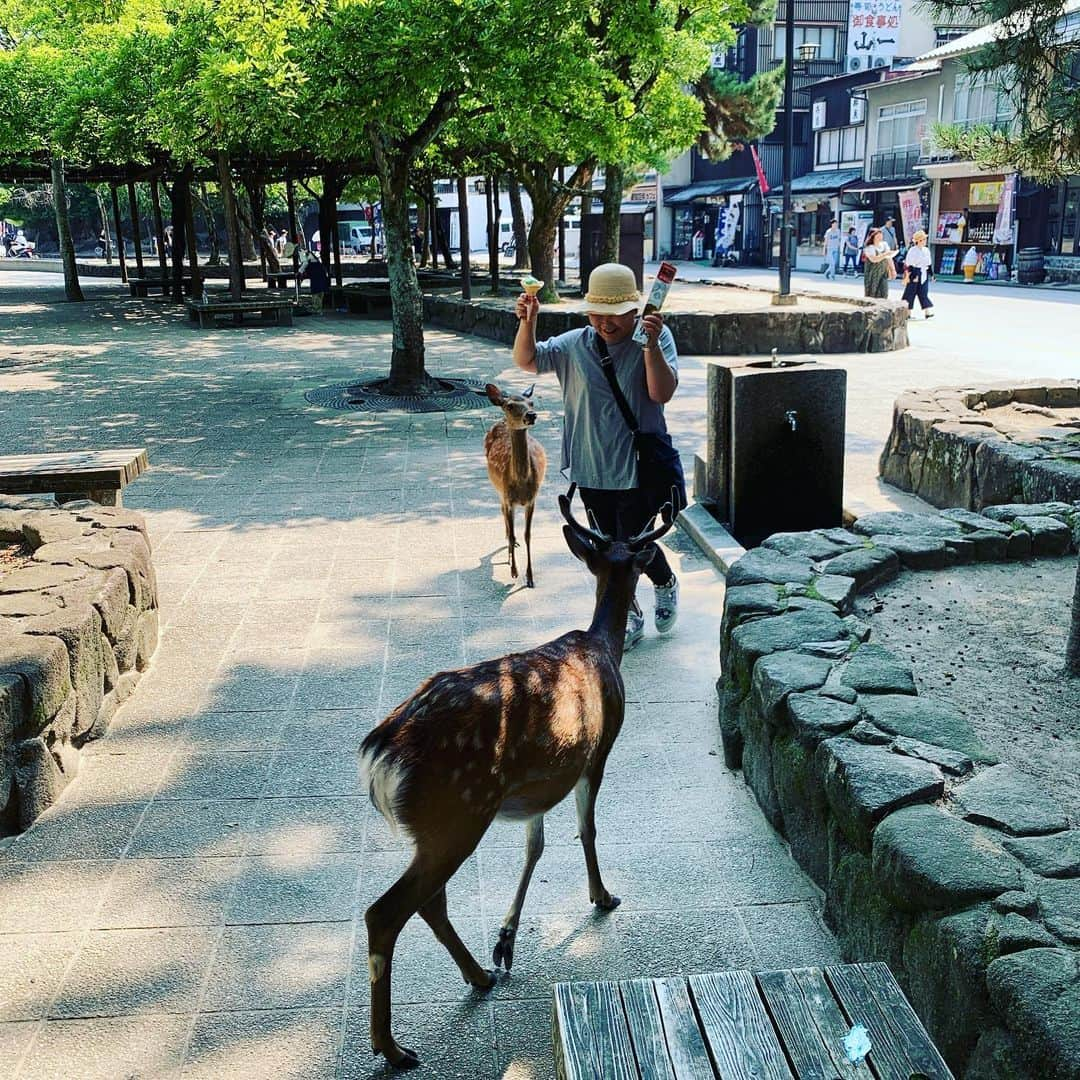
[1029, 266]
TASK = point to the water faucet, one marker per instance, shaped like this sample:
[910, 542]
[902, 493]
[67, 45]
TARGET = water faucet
[792, 417]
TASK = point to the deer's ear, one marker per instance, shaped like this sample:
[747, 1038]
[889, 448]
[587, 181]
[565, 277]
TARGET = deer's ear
[494, 396]
[578, 547]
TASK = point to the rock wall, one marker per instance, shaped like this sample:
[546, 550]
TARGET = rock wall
[934, 858]
[948, 448]
[77, 626]
[873, 326]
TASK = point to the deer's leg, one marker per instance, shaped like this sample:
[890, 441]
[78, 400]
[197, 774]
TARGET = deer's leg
[585, 796]
[534, 848]
[434, 914]
[422, 880]
[528, 544]
[511, 543]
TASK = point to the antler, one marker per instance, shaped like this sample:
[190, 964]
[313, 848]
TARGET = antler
[594, 537]
[667, 517]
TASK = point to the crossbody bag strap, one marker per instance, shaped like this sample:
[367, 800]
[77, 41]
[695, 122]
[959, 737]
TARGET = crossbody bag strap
[608, 368]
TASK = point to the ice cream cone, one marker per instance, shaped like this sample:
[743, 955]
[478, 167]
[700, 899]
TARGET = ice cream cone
[531, 285]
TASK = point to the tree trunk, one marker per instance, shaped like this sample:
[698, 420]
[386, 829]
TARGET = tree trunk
[197, 285]
[136, 227]
[614, 179]
[326, 224]
[211, 226]
[433, 222]
[120, 253]
[463, 231]
[521, 233]
[232, 227]
[290, 197]
[494, 213]
[549, 200]
[178, 213]
[257, 226]
[1072, 647]
[407, 374]
[159, 229]
[104, 226]
[422, 225]
[72, 289]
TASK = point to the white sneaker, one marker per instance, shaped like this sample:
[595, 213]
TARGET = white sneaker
[635, 628]
[667, 606]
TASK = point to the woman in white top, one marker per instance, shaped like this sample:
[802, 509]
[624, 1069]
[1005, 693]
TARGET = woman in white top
[877, 263]
[917, 273]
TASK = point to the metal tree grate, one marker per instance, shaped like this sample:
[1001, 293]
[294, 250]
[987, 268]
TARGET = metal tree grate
[446, 395]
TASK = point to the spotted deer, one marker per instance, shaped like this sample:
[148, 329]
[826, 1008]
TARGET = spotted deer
[516, 463]
[507, 738]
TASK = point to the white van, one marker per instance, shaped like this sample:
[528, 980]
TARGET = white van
[355, 237]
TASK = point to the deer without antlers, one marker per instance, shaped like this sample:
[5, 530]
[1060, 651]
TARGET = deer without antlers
[516, 463]
[505, 738]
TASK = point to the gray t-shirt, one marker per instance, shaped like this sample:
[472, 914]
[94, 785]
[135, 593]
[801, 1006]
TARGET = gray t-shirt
[597, 447]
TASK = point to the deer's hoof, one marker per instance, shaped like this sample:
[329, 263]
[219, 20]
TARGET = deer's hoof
[487, 980]
[529, 583]
[503, 954]
[398, 1056]
[607, 902]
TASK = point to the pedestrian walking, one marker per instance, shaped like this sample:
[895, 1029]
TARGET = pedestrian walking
[888, 231]
[851, 252]
[831, 250]
[918, 270]
[609, 382]
[878, 265]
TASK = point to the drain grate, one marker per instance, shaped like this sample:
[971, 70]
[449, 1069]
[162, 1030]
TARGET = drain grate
[445, 395]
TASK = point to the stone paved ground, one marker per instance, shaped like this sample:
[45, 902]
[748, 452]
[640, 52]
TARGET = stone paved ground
[193, 905]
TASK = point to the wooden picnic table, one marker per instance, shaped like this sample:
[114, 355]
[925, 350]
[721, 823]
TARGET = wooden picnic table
[206, 312]
[741, 1025]
[278, 279]
[141, 286]
[100, 475]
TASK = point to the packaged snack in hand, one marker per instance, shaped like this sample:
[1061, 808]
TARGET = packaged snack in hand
[665, 275]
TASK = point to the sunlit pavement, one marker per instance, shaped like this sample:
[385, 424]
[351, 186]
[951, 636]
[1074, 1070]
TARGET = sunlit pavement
[194, 904]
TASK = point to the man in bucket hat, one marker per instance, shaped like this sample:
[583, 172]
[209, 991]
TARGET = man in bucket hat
[597, 446]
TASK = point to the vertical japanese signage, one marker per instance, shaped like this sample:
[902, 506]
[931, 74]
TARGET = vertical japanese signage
[910, 213]
[873, 33]
[763, 184]
[1003, 224]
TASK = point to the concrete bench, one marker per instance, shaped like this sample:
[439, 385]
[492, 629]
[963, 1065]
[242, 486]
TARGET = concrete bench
[141, 286]
[100, 475]
[738, 1025]
[371, 298]
[207, 312]
[279, 279]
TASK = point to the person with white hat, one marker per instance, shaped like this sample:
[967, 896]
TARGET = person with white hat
[598, 446]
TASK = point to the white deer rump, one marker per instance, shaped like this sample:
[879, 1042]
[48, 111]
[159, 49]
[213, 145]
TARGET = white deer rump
[383, 779]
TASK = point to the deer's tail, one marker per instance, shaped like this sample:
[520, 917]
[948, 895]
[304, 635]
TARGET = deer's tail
[383, 772]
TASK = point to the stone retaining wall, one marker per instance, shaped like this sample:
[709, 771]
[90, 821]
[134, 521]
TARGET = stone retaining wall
[78, 624]
[954, 869]
[945, 447]
[873, 326]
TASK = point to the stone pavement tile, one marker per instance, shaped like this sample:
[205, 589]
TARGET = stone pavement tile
[234, 731]
[280, 588]
[167, 892]
[284, 966]
[130, 971]
[310, 887]
[305, 825]
[423, 970]
[453, 1040]
[242, 689]
[286, 1044]
[202, 827]
[358, 571]
[360, 635]
[318, 728]
[789, 935]
[380, 869]
[134, 1047]
[143, 734]
[110, 778]
[523, 1040]
[14, 1039]
[676, 815]
[287, 623]
[214, 616]
[317, 689]
[65, 833]
[693, 723]
[314, 772]
[33, 969]
[758, 870]
[378, 835]
[51, 896]
[216, 775]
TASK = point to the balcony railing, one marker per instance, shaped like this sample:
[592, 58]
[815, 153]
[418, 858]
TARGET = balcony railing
[930, 152]
[892, 164]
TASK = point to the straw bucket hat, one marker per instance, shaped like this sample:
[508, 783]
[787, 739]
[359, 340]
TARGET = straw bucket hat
[612, 291]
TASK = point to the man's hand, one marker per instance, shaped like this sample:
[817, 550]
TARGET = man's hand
[652, 325]
[527, 308]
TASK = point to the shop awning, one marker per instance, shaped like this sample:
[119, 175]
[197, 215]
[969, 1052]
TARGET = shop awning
[819, 183]
[732, 186]
[864, 187]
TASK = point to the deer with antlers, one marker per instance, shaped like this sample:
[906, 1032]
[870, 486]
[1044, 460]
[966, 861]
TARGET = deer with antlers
[516, 463]
[505, 738]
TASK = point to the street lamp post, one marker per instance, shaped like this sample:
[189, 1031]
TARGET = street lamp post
[807, 52]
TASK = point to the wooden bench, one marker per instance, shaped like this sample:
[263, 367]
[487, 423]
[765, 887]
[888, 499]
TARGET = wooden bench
[100, 475]
[769, 1025]
[207, 312]
[279, 279]
[370, 298]
[141, 286]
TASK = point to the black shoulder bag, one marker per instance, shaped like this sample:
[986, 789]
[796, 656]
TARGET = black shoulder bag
[658, 464]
